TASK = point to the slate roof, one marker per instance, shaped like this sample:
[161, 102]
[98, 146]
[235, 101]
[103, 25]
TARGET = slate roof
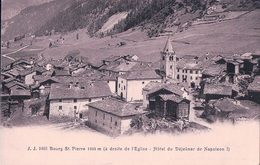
[20, 93]
[82, 91]
[6, 74]
[74, 79]
[189, 64]
[9, 79]
[172, 97]
[226, 105]
[44, 79]
[116, 107]
[214, 70]
[14, 83]
[249, 109]
[218, 89]
[13, 72]
[119, 66]
[255, 85]
[141, 75]
[141, 65]
[154, 87]
[238, 108]
[27, 72]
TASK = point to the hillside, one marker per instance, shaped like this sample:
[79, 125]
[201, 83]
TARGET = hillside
[152, 16]
[32, 18]
[11, 8]
[239, 35]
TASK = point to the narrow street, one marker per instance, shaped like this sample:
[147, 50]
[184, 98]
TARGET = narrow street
[193, 116]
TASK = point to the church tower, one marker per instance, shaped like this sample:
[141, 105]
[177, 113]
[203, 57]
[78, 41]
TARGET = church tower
[168, 61]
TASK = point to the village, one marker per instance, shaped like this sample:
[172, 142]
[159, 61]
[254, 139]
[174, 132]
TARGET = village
[123, 95]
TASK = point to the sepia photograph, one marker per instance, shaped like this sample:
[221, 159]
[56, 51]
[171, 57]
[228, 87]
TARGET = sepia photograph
[130, 82]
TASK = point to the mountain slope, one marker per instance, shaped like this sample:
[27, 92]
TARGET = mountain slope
[10, 8]
[153, 16]
[32, 18]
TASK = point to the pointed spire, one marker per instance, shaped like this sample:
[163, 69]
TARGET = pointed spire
[168, 46]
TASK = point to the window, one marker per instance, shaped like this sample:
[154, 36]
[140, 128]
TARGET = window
[104, 116]
[186, 71]
[191, 71]
[182, 71]
[197, 72]
[178, 76]
[191, 77]
[171, 67]
[118, 85]
[75, 100]
[196, 78]
[178, 70]
[60, 107]
[115, 123]
[143, 82]
[111, 119]
[124, 87]
[75, 107]
[96, 113]
[60, 100]
[89, 100]
[107, 81]
[163, 58]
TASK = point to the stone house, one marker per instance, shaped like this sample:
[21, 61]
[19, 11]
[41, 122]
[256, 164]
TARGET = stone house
[71, 99]
[112, 116]
[130, 85]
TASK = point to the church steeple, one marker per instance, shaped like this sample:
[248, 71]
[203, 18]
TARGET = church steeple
[168, 60]
[168, 47]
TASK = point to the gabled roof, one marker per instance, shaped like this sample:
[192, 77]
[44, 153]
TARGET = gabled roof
[15, 83]
[80, 90]
[20, 93]
[214, 70]
[13, 72]
[172, 97]
[9, 79]
[154, 87]
[225, 105]
[116, 107]
[141, 75]
[238, 108]
[190, 64]
[218, 89]
[119, 66]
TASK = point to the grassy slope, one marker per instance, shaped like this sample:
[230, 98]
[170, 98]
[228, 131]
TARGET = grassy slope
[233, 36]
[29, 19]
